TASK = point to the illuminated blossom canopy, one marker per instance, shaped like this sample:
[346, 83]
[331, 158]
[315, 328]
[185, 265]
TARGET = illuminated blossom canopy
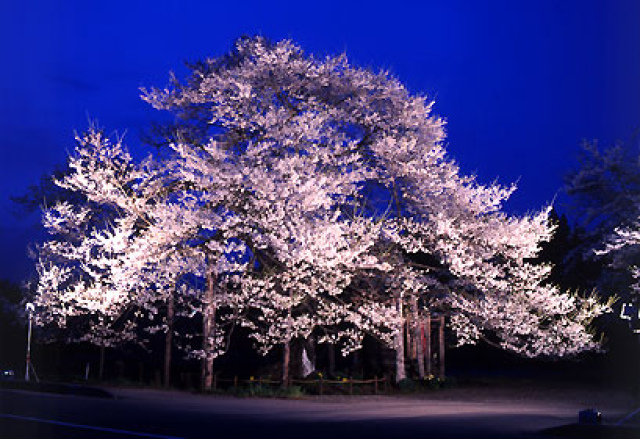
[315, 197]
[624, 244]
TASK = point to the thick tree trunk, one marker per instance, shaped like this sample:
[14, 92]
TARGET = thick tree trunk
[309, 348]
[399, 345]
[208, 332]
[168, 342]
[410, 342]
[311, 351]
[286, 359]
[417, 324]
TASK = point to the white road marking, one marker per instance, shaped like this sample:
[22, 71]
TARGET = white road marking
[87, 427]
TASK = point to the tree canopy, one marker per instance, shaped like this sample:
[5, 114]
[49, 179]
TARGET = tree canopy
[309, 196]
[605, 190]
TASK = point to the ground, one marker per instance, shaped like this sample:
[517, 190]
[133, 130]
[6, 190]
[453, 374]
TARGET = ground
[516, 410]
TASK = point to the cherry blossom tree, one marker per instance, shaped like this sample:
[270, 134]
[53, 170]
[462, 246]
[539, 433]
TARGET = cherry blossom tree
[86, 239]
[281, 205]
[115, 260]
[307, 194]
[308, 137]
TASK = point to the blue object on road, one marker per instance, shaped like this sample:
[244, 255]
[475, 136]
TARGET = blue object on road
[589, 417]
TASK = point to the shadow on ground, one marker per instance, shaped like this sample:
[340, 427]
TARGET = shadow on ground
[578, 431]
[59, 388]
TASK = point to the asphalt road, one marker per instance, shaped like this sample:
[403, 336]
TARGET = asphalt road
[171, 415]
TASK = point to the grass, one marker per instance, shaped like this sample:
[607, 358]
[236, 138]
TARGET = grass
[261, 391]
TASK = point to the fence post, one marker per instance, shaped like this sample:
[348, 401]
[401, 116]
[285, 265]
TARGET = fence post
[375, 384]
[350, 386]
[215, 381]
[321, 384]
[235, 381]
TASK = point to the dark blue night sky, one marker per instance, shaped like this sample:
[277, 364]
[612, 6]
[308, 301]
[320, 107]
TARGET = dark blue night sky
[519, 82]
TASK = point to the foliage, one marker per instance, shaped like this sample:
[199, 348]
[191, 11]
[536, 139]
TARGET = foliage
[45, 194]
[269, 215]
[430, 382]
[572, 267]
[606, 185]
[11, 325]
[255, 390]
[606, 195]
[407, 385]
[11, 298]
[624, 244]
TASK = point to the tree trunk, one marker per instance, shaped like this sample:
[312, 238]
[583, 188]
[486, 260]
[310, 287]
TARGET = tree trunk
[356, 363]
[417, 323]
[101, 367]
[441, 347]
[331, 352]
[287, 354]
[168, 342]
[427, 345]
[285, 363]
[410, 342]
[309, 348]
[208, 332]
[399, 345]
